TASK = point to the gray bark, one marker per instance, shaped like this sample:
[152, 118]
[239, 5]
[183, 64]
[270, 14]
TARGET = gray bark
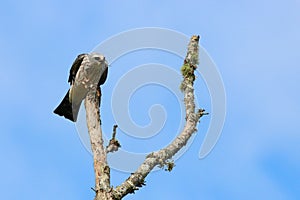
[160, 158]
[101, 168]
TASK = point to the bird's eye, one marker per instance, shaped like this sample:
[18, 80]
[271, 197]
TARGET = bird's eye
[97, 58]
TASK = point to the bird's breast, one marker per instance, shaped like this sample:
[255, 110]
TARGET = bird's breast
[86, 79]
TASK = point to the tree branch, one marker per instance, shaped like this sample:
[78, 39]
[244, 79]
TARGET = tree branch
[101, 168]
[161, 157]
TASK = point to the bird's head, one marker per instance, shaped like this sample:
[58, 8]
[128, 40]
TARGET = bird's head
[96, 57]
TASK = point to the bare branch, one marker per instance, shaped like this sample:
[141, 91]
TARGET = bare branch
[113, 143]
[161, 157]
[101, 168]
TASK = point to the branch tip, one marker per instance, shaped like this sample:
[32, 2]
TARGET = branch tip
[114, 131]
[114, 144]
[93, 189]
[201, 112]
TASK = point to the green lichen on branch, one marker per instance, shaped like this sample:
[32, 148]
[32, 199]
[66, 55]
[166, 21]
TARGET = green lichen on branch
[187, 72]
[163, 157]
[190, 63]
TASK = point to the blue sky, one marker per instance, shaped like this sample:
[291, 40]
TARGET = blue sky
[255, 45]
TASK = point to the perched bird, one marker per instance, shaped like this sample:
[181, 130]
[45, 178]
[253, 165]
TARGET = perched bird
[88, 71]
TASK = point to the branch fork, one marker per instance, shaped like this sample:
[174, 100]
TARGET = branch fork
[159, 158]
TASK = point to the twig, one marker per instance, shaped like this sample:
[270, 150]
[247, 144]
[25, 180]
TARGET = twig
[113, 143]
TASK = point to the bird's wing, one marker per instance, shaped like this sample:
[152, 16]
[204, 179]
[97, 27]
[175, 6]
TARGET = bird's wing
[75, 67]
[103, 77]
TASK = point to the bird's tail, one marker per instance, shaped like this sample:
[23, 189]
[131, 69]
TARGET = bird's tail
[66, 109]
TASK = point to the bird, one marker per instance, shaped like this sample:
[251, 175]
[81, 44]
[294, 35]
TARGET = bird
[88, 71]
